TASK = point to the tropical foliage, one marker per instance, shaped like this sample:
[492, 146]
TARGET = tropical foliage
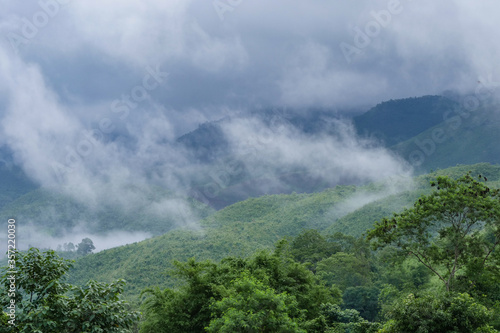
[44, 303]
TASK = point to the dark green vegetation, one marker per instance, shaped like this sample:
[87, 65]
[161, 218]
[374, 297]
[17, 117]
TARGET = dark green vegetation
[268, 292]
[395, 121]
[449, 231]
[463, 137]
[433, 313]
[41, 302]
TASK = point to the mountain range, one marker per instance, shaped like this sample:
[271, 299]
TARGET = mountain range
[428, 132]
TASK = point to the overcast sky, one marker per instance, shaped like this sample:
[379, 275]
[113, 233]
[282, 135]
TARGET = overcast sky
[229, 54]
[75, 69]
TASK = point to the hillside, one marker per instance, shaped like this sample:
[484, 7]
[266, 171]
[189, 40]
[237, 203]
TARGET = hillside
[433, 132]
[255, 223]
[208, 142]
[464, 138]
[389, 122]
[395, 121]
[392, 122]
[236, 230]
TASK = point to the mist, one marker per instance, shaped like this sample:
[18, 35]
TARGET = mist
[28, 235]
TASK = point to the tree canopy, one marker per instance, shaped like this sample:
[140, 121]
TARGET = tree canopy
[437, 314]
[453, 231]
[46, 304]
[268, 292]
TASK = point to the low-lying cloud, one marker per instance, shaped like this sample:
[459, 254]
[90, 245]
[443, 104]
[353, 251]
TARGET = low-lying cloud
[332, 157]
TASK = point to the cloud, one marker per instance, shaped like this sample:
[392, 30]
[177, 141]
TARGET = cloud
[280, 149]
[33, 120]
[76, 111]
[268, 53]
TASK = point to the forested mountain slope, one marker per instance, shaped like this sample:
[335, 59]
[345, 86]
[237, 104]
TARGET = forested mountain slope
[395, 121]
[256, 223]
[463, 138]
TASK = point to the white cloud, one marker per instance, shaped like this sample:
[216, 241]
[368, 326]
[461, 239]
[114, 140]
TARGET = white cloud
[281, 149]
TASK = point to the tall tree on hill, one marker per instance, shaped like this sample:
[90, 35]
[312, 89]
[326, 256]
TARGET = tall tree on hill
[86, 246]
[453, 231]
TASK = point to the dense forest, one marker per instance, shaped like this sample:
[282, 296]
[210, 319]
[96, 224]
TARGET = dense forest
[433, 266]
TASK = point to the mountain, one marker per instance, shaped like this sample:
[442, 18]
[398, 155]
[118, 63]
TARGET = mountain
[433, 132]
[257, 223]
[389, 124]
[463, 138]
[392, 122]
[395, 121]
[208, 142]
[211, 148]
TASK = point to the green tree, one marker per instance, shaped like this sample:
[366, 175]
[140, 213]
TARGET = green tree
[98, 307]
[283, 274]
[311, 247]
[45, 304]
[86, 246]
[250, 306]
[186, 308]
[345, 321]
[445, 230]
[359, 247]
[403, 272]
[189, 308]
[69, 247]
[364, 299]
[437, 314]
[344, 270]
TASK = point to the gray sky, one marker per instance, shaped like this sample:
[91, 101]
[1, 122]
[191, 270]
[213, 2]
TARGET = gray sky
[77, 74]
[237, 53]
